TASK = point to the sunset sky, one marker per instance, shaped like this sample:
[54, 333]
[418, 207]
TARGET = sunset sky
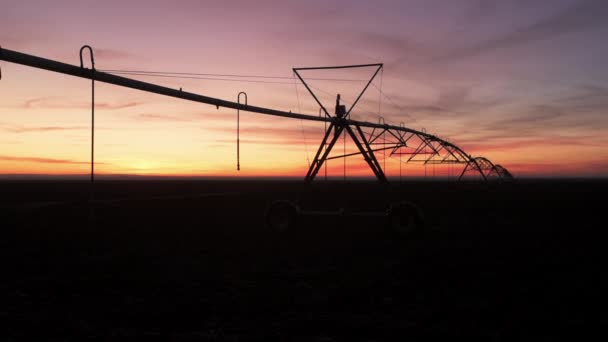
[523, 83]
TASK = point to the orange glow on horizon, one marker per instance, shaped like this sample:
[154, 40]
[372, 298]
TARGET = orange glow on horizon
[45, 130]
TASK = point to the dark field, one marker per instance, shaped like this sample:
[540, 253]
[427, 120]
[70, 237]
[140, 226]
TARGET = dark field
[193, 261]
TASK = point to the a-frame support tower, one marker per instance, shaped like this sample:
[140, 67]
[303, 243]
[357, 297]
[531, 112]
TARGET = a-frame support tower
[340, 124]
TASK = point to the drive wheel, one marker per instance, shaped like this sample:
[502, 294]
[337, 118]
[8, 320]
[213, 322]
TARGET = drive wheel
[405, 219]
[281, 216]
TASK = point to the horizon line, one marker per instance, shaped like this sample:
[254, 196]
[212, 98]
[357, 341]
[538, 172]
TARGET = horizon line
[86, 177]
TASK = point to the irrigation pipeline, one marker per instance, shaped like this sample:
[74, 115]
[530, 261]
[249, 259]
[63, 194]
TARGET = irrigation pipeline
[478, 164]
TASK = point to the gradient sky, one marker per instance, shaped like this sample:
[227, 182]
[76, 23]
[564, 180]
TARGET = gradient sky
[523, 83]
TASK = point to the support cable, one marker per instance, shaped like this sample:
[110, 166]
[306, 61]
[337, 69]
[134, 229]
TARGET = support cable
[403, 111]
[216, 77]
[197, 78]
[114, 71]
[383, 123]
[295, 83]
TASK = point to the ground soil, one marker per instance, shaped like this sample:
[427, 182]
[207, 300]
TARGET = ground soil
[194, 261]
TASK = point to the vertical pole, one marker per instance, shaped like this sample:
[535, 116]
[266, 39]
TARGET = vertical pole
[238, 140]
[238, 128]
[325, 146]
[381, 120]
[425, 152]
[400, 166]
[344, 153]
[384, 150]
[93, 127]
[92, 194]
[401, 124]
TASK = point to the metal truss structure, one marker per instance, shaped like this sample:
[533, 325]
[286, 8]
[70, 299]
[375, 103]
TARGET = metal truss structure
[369, 137]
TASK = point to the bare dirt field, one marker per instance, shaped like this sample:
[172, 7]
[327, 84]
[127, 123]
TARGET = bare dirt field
[193, 261]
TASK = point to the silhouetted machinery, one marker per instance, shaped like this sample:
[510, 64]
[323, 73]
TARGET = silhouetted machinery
[340, 109]
[417, 146]
[401, 217]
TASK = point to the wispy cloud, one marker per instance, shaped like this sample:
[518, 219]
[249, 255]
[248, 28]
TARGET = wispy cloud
[541, 168]
[483, 146]
[110, 54]
[274, 131]
[18, 33]
[581, 16]
[586, 98]
[534, 116]
[24, 129]
[286, 142]
[62, 103]
[164, 117]
[44, 160]
[451, 101]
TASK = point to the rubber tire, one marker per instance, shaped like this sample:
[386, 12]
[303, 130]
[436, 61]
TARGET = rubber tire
[281, 216]
[405, 219]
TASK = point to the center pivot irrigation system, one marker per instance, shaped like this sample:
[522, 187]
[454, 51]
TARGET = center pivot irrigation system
[369, 137]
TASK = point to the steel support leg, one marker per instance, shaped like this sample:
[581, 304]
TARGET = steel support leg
[369, 148]
[368, 155]
[315, 161]
[466, 167]
[315, 166]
